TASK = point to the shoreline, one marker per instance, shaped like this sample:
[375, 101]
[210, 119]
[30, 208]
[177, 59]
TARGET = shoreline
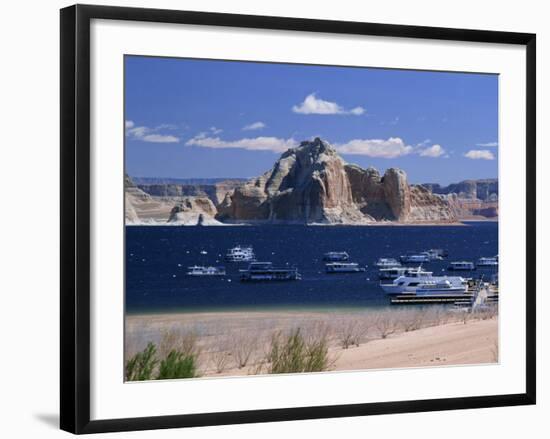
[391, 338]
[373, 224]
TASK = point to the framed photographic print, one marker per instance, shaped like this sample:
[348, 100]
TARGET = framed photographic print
[269, 218]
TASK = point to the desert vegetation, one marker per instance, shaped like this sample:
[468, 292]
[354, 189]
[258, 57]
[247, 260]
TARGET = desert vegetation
[176, 357]
[297, 342]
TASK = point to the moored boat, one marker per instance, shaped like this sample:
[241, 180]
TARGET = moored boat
[414, 259]
[199, 270]
[433, 255]
[461, 266]
[439, 252]
[487, 262]
[265, 271]
[440, 287]
[387, 263]
[343, 267]
[424, 281]
[240, 254]
[335, 256]
[391, 273]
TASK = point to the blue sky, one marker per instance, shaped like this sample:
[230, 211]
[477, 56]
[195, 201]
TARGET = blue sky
[202, 119]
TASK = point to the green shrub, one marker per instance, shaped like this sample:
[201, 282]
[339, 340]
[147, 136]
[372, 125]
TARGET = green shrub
[294, 353]
[140, 367]
[178, 365]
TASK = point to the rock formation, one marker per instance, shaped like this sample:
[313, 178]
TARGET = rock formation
[194, 211]
[216, 191]
[310, 184]
[141, 208]
[470, 199]
[485, 190]
[313, 184]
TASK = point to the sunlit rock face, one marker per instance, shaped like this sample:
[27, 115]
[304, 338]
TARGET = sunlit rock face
[313, 184]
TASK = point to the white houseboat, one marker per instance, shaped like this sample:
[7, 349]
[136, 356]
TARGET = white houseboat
[461, 266]
[426, 282]
[335, 256]
[414, 259]
[240, 254]
[343, 267]
[487, 262]
[387, 263]
[394, 272]
[265, 271]
[199, 270]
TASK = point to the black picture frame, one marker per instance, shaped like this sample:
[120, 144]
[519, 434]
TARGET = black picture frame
[75, 217]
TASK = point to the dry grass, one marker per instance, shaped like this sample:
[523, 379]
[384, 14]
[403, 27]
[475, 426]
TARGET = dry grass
[243, 345]
[353, 332]
[254, 345]
[414, 319]
[386, 324]
[176, 340]
[220, 357]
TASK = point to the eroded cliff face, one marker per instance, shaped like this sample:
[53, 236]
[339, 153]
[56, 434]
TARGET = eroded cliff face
[308, 184]
[426, 207]
[468, 208]
[483, 189]
[142, 208]
[194, 211]
[313, 184]
[470, 199]
[215, 191]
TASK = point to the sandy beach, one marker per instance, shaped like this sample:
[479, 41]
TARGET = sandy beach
[357, 340]
[451, 343]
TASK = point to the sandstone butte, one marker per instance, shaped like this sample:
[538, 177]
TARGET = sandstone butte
[309, 184]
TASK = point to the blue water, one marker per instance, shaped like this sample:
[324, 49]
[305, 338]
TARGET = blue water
[157, 259]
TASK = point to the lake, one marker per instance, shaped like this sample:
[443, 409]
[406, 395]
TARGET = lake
[157, 258]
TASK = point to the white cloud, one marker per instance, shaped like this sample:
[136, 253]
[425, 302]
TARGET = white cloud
[480, 154]
[166, 126]
[357, 111]
[433, 151]
[274, 144]
[160, 138]
[151, 135]
[254, 126]
[137, 132]
[488, 144]
[389, 148]
[314, 105]
[381, 148]
[215, 130]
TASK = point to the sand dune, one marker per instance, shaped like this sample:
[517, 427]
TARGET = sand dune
[452, 343]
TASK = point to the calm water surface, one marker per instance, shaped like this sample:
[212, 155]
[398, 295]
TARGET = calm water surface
[157, 259]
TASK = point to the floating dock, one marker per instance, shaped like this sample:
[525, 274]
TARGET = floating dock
[413, 299]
